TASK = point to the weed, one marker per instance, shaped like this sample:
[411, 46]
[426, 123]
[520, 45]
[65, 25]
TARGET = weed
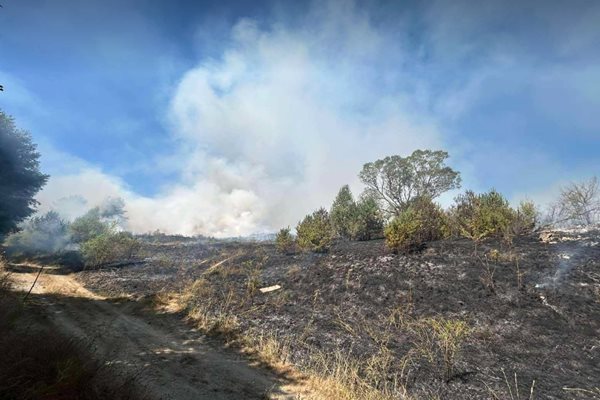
[440, 341]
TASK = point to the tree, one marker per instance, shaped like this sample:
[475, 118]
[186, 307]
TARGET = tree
[343, 213]
[98, 220]
[20, 177]
[579, 203]
[284, 241]
[368, 221]
[397, 181]
[315, 232]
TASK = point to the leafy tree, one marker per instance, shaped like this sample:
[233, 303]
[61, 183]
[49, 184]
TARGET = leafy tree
[89, 226]
[99, 220]
[344, 213]
[397, 181]
[284, 241]
[315, 232]
[20, 177]
[423, 221]
[368, 221]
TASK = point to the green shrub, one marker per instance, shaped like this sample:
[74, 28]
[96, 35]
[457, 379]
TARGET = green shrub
[110, 247]
[368, 221]
[284, 241]
[525, 218]
[89, 226]
[478, 216]
[315, 232]
[423, 221]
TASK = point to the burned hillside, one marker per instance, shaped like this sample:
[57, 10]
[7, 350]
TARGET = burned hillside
[531, 309]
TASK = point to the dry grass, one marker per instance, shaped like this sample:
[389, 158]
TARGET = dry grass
[440, 340]
[327, 376]
[511, 390]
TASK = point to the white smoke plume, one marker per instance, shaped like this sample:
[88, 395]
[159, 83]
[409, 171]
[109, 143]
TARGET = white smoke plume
[271, 129]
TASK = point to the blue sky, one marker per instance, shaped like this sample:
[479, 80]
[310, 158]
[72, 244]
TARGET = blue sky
[231, 118]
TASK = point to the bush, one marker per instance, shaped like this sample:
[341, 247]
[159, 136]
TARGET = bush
[368, 220]
[478, 216]
[89, 226]
[525, 218]
[109, 248]
[422, 222]
[315, 232]
[284, 241]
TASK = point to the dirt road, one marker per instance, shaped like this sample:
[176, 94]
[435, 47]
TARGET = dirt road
[170, 359]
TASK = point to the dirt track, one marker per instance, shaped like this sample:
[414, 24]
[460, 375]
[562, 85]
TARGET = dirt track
[169, 359]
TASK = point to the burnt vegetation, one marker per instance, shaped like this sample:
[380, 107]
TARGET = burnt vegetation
[384, 296]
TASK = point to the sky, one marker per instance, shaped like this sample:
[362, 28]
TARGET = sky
[227, 118]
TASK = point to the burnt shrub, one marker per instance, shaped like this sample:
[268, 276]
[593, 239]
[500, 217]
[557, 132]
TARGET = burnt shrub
[284, 241]
[315, 232]
[423, 221]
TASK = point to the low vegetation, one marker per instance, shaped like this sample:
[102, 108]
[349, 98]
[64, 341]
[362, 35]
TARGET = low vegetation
[285, 241]
[422, 222]
[315, 232]
[110, 248]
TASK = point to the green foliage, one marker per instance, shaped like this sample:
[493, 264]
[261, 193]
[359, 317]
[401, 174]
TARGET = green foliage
[525, 218]
[45, 234]
[396, 181]
[20, 177]
[109, 247]
[89, 226]
[99, 220]
[315, 232]
[368, 220]
[344, 213]
[423, 221]
[284, 241]
[478, 216]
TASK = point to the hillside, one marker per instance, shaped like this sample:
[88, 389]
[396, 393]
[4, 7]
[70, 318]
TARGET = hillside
[530, 311]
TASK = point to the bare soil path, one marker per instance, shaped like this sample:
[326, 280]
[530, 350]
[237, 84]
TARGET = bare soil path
[170, 359]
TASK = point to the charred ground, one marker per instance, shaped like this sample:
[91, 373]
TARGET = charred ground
[533, 307]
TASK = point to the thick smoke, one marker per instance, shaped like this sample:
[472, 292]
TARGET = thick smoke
[272, 128]
[51, 232]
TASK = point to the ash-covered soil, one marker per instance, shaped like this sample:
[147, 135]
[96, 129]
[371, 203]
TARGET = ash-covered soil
[533, 308]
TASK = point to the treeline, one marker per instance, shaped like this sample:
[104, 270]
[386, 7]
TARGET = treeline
[398, 204]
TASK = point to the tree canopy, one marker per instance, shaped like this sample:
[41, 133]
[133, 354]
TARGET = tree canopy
[397, 181]
[20, 176]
